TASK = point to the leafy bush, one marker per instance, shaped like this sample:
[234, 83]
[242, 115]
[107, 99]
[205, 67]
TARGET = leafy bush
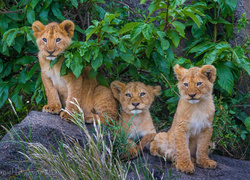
[117, 47]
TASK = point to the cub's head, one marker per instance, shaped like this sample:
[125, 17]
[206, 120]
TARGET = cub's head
[53, 38]
[135, 97]
[195, 83]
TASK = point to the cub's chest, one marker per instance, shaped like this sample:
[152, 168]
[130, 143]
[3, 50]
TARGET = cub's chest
[57, 80]
[198, 121]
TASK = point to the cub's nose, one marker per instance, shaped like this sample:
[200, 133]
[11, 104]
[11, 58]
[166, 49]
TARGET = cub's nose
[192, 95]
[51, 52]
[135, 104]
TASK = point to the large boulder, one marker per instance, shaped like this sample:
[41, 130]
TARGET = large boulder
[48, 129]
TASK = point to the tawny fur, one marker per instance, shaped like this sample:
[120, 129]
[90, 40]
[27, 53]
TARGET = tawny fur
[96, 101]
[191, 130]
[135, 99]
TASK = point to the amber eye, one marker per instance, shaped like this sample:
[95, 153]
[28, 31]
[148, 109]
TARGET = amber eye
[58, 40]
[199, 83]
[186, 84]
[44, 40]
[128, 95]
[142, 94]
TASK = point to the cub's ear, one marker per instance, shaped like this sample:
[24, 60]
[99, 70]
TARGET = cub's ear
[37, 28]
[179, 71]
[155, 90]
[68, 26]
[210, 72]
[116, 88]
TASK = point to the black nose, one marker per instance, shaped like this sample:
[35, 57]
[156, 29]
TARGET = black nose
[192, 95]
[135, 104]
[51, 52]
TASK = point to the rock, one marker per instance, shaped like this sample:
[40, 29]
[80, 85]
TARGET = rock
[47, 129]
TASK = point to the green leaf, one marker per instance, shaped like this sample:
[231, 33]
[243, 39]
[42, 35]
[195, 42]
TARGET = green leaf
[109, 29]
[26, 60]
[142, 1]
[150, 48]
[96, 63]
[31, 16]
[1, 65]
[112, 54]
[174, 37]
[241, 60]
[127, 56]
[11, 37]
[47, 3]
[32, 71]
[4, 89]
[76, 64]
[164, 42]
[112, 38]
[247, 123]
[192, 16]
[99, 10]
[102, 80]
[57, 12]
[160, 62]
[127, 27]
[137, 30]
[179, 27]
[92, 73]
[17, 101]
[3, 24]
[226, 79]
[147, 31]
[44, 16]
[91, 30]
[33, 3]
[74, 3]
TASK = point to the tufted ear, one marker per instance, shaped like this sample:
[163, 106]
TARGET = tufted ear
[37, 28]
[116, 88]
[209, 71]
[179, 71]
[68, 26]
[155, 89]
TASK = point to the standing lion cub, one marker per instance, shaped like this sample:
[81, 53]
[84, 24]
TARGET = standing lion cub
[96, 101]
[191, 130]
[136, 99]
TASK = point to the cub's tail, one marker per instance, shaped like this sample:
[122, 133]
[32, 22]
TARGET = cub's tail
[146, 140]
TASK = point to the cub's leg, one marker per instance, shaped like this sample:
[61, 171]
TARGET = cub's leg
[54, 105]
[104, 106]
[147, 139]
[74, 92]
[183, 159]
[132, 152]
[203, 142]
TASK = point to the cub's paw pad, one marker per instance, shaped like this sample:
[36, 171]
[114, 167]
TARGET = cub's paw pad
[187, 168]
[65, 116]
[209, 164]
[53, 109]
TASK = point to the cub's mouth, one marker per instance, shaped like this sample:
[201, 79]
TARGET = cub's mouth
[51, 57]
[193, 101]
[136, 111]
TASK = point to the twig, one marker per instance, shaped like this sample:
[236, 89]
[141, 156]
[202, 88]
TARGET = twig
[167, 24]
[227, 151]
[129, 8]
[170, 85]
[6, 12]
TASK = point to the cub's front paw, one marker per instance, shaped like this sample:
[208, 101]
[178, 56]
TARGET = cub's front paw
[65, 116]
[132, 153]
[52, 108]
[209, 164]
[187, 167]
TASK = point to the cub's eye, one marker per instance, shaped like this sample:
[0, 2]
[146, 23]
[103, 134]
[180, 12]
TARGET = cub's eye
[44, 40]
[142, 94]
[128, 95]
[58, 40]
[199, 83]
[186, 84]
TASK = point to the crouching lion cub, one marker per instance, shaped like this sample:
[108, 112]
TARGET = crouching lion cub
[96, 101]
[191, 130]
[136, 99]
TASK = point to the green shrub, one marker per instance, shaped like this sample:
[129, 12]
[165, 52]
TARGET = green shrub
[144, 48]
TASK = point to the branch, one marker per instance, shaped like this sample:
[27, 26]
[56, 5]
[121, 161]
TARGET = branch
[169, 85]
[6, 12]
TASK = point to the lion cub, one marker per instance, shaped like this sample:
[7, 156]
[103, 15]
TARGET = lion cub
[136, 99]
[191, 130]
[96, 101]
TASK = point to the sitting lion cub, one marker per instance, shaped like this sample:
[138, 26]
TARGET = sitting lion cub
[136, 99]
[96, 101]
[191, 130]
